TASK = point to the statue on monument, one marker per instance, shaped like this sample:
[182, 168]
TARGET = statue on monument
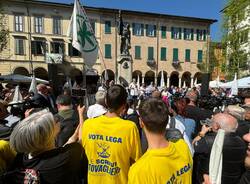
[124, 32]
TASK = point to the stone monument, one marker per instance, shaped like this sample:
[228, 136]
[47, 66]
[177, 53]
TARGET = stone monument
[124, 58]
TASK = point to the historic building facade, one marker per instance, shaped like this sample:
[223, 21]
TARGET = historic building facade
[174, 45]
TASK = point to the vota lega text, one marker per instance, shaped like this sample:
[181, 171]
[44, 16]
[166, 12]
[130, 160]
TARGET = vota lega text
[105, 138]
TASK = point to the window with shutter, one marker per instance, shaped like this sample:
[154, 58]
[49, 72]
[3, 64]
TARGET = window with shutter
[19, 24]
[38, 24]
[172, 32]
[175, 54]
[107, 50]
[137, 52]
[176, 32]
[107, 27]
[204, 35]
[57, 25]
[200, 56]
[138, 29]
[192, 34]
[151, 30]
[163, 54]
[92, 23]
[163, 32]
[150, 53]
[187, 55]
[19, 46]
[180, 33]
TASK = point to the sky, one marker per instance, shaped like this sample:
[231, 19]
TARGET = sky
[193, 8]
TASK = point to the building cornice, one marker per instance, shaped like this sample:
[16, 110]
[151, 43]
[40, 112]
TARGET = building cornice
[110, 10]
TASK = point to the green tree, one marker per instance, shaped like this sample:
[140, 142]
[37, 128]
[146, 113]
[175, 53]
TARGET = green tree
[234, 36]
[4, 32]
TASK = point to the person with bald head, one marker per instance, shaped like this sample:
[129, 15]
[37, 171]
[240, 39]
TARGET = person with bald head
[233, 149]
[43, 99]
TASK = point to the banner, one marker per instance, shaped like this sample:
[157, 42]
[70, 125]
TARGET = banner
[83, 38]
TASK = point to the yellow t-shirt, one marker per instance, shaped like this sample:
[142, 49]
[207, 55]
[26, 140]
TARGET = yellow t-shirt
[170, 165]
[7, 155]
[110, 145]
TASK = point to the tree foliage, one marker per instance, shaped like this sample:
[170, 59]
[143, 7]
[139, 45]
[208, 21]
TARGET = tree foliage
[234, 37]
[4, 32]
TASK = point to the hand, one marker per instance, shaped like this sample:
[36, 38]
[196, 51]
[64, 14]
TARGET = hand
[206, 179]
[80, 109]
[27, 112]
[205, 129]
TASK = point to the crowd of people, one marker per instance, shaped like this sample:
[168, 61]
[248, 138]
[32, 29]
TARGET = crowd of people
[132, 134]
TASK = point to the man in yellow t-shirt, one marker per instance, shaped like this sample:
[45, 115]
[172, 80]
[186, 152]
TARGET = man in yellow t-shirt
[111, 143]
[164, 162]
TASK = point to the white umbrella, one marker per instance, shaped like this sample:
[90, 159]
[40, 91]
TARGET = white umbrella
[106, 76]
[33, 85]
[17, 96]
[16, 78]
[195, 82]
[215, 84]
[217, 81]
[244, 82]
[138, 81]
[184, 84]
[234, 89]
[162, 80]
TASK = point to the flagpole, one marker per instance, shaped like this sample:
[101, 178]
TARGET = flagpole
[98, 44]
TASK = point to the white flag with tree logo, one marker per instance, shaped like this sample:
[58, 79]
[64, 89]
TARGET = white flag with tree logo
[83, 38]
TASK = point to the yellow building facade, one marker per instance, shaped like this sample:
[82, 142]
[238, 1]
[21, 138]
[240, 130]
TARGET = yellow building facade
[174, 45]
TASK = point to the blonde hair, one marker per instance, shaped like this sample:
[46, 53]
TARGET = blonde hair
[34, 134]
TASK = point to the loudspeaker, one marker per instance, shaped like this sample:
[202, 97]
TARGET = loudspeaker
[205, 84]
[53, 78]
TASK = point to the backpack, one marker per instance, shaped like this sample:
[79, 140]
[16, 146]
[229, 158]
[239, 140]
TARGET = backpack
[173, 134]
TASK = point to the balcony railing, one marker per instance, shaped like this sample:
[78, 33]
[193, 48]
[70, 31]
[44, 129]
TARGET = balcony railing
[151, 62]
[53, 58]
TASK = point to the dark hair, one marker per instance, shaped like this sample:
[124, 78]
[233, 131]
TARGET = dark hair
[181, 105]
[154, 114]
[63, 100]
[116, 97]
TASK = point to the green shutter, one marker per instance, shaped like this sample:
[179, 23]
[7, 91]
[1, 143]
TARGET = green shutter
[150, 53]
[133, 27]
[175, 54]
[204, 35]
[154, 30]
[137, 52]
[187, 55]
[200, 56]
[163, 32]
[185, 33]
[70, 49]
[107, 27]
[172, 32]
[163, 54]
[192, 34]
[180, 32]
[142, 28]
[107, 50]
[146, 29]
[197, 34]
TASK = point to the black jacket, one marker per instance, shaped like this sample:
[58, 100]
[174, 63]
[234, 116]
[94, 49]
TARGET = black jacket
[60, 165]
[234, 150]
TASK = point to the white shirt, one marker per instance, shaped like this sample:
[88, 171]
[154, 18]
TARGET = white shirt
[133, 89]
[181, 127]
